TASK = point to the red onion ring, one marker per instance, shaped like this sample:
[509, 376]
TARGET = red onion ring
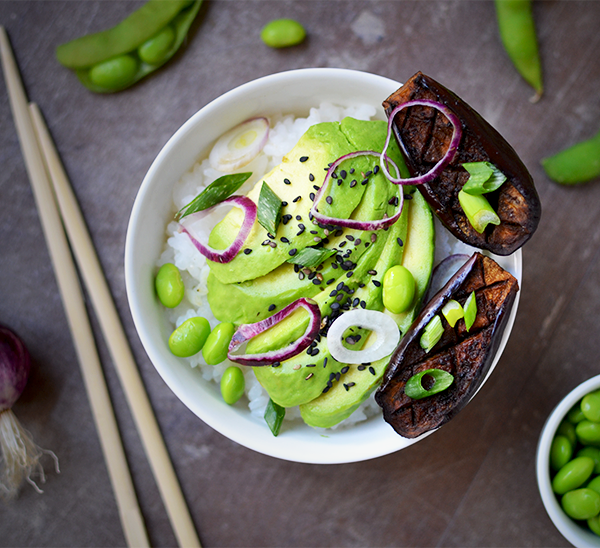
[248, 331]
[227, 255]
[354, 223]
[446, 159]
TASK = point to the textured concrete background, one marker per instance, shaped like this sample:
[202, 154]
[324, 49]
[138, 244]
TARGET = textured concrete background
[470, 484]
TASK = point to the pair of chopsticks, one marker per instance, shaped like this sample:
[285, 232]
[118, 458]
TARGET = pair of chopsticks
[63, 224]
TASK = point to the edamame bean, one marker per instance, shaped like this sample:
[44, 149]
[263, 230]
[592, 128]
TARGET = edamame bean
[169, 285]
[282, 33]
[115, 73]
[581, 503]
[561, 452]
[594, 484]
[572, 475]
[588, 432]
[594, 525]
[398, 289]
[517, 30]
[189, 338]
[232, 384]
[154, 50]
[216, 345]
[577, 164]
[567, 429]
[575, 415]
[594, 454]
[590, 406]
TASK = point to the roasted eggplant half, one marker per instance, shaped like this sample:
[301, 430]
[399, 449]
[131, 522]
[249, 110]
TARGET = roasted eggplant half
[424, 134]
[466, 355]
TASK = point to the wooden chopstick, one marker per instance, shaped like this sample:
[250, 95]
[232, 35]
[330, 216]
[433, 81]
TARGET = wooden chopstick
[110, 323]
[72, 297]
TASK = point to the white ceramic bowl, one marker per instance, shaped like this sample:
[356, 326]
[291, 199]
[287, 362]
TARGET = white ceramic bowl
[292, 92]
[571, 530]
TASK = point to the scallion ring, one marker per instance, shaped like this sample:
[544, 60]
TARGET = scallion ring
[441, 381]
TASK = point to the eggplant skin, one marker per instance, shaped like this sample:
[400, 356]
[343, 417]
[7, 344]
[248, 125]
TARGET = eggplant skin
[423, 133]
[466, 355]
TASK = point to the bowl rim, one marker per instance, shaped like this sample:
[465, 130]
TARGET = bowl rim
[573, 532]
[337, 453]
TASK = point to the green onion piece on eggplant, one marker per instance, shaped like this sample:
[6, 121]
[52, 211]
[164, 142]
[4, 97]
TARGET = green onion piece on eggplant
[274, 415]
[311, 256]
[269, 209]
[452, 311]
[478, 210]
[218, 191]
[470, 311]
[432, 334]
[437, 379]
[484, 177]
[19, 455]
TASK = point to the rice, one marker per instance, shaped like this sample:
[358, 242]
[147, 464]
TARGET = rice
[285, 132]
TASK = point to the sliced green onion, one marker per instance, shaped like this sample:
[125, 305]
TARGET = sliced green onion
[470, 309]
[311, 256]
[269, 209]
[484, 177]
[441, 381]
[274, 414]
[432, 333]
[478, 210]
[214, 194]
[452, 311]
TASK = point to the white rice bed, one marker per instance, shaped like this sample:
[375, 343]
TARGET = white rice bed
[285, 132]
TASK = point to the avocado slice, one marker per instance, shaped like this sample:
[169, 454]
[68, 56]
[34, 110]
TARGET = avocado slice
[302, 169]
[359, 381]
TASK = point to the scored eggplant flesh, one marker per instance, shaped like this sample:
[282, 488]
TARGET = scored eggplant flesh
[424, 133]
[467, 355]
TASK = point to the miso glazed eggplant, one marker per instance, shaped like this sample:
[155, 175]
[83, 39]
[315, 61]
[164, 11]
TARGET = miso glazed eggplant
[444, 356]
[444, 144]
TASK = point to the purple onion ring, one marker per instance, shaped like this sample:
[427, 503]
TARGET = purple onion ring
[248, 331]
[446, 159]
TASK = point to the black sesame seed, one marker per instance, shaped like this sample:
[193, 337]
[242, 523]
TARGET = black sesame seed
[364, 182]
[340, 285]
[300, 225]
[338, 232]
[368, 173]
[373, 272]
[266, 242]
[269, 235]
[297, 199]
[357, 241]
[376, 170]
[334, 266]
[272, 307]
[311, 365]
[329, 200]
[346, 387]
[247, 251]
[276, 364]
[315, 351]
[334, 175]
[361, 367]
[400, 242]
[330, 281]
[287, 181]
[343, 244]
[393, 201]
[352, 183]
[349, 274]
[293, 251]
[331, 376]
[325, 362]
[363, 304]
[408, 197]
[376, 283]
[335, 306]
[273, 244]
[312, 196]
[351, 170]
[303, 158]
[350, 237]
[343, 174]
[345, 369]
[373, 237]
[316, 281]
[317, 188]
[339, 297]
[355, 301]
[311, 177]
[326, 389]
[333, 293]
[337, 376]
[372, 370]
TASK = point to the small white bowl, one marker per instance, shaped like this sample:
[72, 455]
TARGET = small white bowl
[570, 529]
[293, 92]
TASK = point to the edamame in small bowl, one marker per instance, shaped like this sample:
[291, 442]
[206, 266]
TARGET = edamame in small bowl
[568, 465]
[290, 103]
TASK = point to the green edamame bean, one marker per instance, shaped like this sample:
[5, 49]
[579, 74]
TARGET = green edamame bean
[581, 503]
[232, 384]
[572, 475]
[398, 289]
[588, 432]
[216, 345]
[282, 33]
[577, 164]
[575, 415]
[567, 429]
[594, 525]
[189, 338]
[115, 73]
[590, 406]
[594, 484]
[561, 452]
[169, 285]
[594, 454]
[154, 50]
[517, 30]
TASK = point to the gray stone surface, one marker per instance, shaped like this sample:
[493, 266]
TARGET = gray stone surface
[470, 484]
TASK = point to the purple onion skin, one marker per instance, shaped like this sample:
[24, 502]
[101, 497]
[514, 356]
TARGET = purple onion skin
[15, 365]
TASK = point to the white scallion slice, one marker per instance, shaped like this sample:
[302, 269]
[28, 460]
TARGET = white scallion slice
[384, 327]
[432, 333]
[240, 145]
[452, 311]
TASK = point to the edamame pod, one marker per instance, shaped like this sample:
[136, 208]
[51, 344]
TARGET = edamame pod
[517, 30]
[149, 36]
[577, 164]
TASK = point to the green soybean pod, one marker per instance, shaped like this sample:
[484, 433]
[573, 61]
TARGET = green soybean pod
[282, 33]
[216, 345]
[594, 454]
[155, 50]
[398, 289]
[232, 384]
[588, 432]
[169, 285]
[579, 163]
[189, 338]
[114, 73]
[572, 475]
[517, 31]
[561, 452]
[581, 503]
